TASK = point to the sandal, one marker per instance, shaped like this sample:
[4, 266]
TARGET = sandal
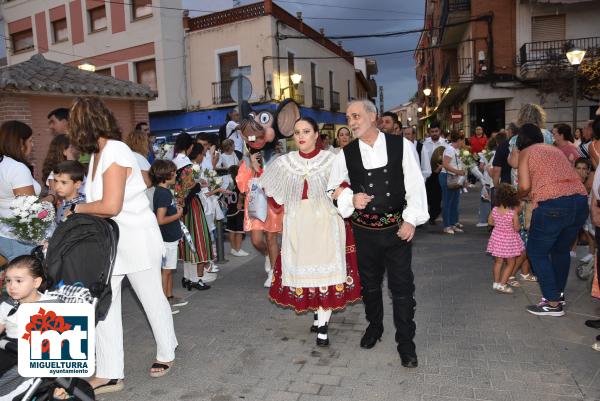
[112, 386]
[528, 277]
[514, 283]
[160, 365]
[503, 288]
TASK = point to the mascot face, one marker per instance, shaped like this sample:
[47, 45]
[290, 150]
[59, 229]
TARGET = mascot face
[260, 128]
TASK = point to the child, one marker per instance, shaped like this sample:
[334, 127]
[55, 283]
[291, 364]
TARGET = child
[68, 179]
[505, 243]
[235, 216]
[583, 167]
[168, 213]
[25, 279]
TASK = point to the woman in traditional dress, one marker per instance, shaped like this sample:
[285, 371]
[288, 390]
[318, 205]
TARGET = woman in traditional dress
[186, 191]
[317, 268]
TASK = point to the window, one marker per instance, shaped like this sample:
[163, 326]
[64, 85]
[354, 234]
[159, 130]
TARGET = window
[548, 27]
[104, 71]
[97, 19]
[145, 72]
[22, 41]
[141, 8]
[227, 62]
[60, 32]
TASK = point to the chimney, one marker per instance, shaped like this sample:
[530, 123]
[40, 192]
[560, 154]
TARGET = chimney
[186, 20]
[268, 7]
[299, 15]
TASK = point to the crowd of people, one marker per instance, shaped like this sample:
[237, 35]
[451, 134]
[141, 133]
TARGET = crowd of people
[368, 194]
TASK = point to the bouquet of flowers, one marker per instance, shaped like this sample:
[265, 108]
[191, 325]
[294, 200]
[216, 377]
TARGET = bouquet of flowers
[214, 181]
[32, 219]
[486, 154]
[165, 151]
[468, 159]
[196, 172]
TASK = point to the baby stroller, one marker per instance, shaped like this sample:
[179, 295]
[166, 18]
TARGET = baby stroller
[79, 263]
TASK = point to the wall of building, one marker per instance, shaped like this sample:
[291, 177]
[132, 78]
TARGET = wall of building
[124, 42]
[33, 110]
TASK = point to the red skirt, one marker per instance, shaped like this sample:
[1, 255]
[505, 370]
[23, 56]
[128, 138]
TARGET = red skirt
[334, 297]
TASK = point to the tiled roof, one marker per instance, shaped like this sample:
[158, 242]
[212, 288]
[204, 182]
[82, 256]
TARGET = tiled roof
[40, 75]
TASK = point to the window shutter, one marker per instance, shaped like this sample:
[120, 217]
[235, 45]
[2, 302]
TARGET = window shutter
[548, 27]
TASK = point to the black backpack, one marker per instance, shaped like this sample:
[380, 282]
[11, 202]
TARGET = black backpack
[82, 252]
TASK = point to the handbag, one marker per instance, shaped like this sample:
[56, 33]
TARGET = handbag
[454, 181]
[257, 201]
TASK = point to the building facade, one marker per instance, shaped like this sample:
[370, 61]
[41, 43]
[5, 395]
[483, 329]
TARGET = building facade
[134, 40]
[481, 60]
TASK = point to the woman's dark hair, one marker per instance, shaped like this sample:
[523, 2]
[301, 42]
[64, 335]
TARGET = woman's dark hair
[55, 155]
[596, 127]
[311, 121]
[197, 149]
[455, 136]
[161, 171]
[13, 135]
[492, 144]
[233, 171]
[33, 265]
[90, 120]
[500, 138]
[342, 128]
[506, 195]
[72, 168]
[583, 160]
[529, 134]
[183, 142]
[565, 131]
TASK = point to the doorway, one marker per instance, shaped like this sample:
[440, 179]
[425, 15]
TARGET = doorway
[489, 115]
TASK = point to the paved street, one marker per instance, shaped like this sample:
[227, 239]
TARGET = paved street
[472, 343]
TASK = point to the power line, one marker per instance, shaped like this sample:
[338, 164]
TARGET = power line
[364, 19]
[348, 8]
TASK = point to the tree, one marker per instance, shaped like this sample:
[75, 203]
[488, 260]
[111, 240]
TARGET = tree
[556, 76]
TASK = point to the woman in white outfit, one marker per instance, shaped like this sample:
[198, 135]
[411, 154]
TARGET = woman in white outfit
[115, 189]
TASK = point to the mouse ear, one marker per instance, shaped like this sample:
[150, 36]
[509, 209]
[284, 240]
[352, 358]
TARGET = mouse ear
[288, 112]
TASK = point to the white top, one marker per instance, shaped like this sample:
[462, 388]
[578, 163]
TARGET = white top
[455, 162]
[13, 174]
[427, 151]
[140, 242]
[10, 323]
[142, 162]
[235, 135]
[226, 161]
[415, 212]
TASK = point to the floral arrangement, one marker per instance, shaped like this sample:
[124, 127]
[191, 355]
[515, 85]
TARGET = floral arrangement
[486, 154]
[213, 180]
[196, 172]
[32, 219]
[165, 151]
[468, 159]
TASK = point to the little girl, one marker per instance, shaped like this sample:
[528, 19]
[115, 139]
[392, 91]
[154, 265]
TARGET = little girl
[505, 243]
[24, 279]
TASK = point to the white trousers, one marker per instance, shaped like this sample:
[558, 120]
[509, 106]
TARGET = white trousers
[109, 332]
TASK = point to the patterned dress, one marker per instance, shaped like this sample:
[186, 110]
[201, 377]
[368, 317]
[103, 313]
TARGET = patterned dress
[504, 242]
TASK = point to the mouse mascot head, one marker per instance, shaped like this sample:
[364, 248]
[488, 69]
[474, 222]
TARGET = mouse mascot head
[260, 128]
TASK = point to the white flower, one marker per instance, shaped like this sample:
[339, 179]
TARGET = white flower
[196, 168]
[212, 173]
[466, 153]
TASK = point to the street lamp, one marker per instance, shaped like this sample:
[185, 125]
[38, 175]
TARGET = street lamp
[87, 67]
[296, 78]
[419, 109]
[427, 91]
[575, 57]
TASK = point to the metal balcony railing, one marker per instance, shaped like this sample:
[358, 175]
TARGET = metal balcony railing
[449, 6]
[460, 71]
[335, 101]
[555, 50]
[318, 101]
[220, 92]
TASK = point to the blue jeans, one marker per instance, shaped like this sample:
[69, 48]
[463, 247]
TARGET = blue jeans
[554, 227]
[11, 248]
[450, 202]
[484, 210]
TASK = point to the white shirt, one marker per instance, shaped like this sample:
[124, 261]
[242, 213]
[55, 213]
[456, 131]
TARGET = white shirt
[140, 242]
[142, 162]
[13, 174]
[373, 157]
[226, 161]
[455, 161]
[235, 135]
[427, 151]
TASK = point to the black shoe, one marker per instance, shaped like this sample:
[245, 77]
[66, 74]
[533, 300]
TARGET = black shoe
[315, 327]
[409, 360]
[200, 286]
[322, 342]
[370, 338]
[432, 222]
[594, 324]
[185, 282]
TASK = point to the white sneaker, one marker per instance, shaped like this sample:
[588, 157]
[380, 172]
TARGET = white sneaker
[267, 264]
[234, 252]
[495, 286]
[241, 252]
[269, 279]
[481, 225]
[209, 277]
[573, 254]
[587, 258]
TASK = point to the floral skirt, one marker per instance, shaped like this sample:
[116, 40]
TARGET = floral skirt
[195, 221]
[335, 297]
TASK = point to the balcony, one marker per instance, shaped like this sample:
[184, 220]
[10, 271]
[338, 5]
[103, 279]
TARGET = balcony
[459, 72]
[534, 55]
[220, 92]
[453, 11]
[295, 92]
[334, 101]
[318, 101]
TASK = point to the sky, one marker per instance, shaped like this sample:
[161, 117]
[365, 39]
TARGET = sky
[396, 72]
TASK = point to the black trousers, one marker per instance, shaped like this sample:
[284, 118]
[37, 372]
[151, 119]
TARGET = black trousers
[378, 251]
[434, 196]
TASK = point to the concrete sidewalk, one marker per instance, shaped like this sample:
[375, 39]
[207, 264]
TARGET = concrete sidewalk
[472, 342]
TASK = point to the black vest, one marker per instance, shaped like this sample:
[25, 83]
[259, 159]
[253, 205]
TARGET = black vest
[386, 183]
